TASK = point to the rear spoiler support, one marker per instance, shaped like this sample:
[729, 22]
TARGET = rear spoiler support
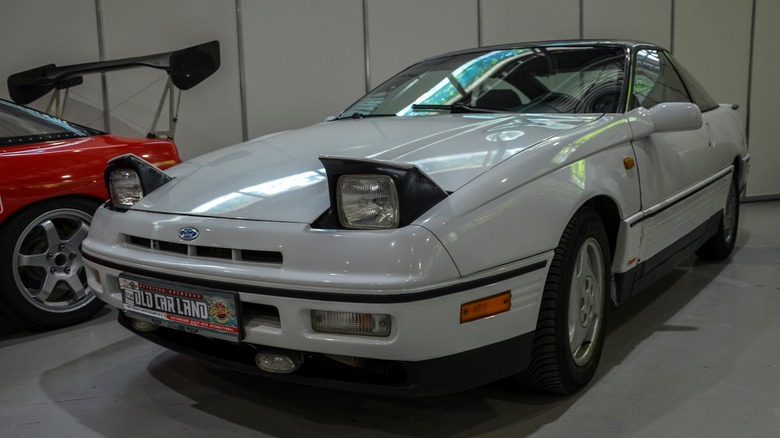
[173, 113]
[59, 105]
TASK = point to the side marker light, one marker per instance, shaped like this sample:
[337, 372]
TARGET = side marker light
[486, 307]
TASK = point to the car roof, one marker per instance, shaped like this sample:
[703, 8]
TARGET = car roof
[629, 44]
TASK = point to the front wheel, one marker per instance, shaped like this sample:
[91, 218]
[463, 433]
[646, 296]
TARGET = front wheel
[43, 283]
[570, 331]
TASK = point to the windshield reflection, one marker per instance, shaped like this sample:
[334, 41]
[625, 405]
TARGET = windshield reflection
[576, 79]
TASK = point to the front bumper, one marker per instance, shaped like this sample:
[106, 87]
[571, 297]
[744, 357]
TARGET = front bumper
[425, 324]
[428, 352]
[404, 274]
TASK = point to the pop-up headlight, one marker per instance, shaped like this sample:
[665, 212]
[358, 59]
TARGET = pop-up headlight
[129, 178]
[375, 195]
[125, 189]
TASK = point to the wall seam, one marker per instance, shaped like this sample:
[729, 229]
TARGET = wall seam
[671, 32]
[749, 102]
[366, 47]
[480, 37]
[102, 56]
[241, 72]
[582, 19]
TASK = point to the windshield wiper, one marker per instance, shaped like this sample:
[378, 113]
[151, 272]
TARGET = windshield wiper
[455, 108]
[362, 116]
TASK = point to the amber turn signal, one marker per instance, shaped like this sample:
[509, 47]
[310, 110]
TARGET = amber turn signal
[485, 307]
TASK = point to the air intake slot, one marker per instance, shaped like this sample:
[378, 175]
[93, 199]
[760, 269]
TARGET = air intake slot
[207, 252]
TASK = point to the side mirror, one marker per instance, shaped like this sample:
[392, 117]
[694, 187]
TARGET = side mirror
[676, 116]
[664, 117]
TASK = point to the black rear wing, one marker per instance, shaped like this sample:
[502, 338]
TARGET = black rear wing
[186, 67]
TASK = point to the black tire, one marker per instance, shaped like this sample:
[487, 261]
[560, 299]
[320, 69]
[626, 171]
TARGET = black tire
[721, 244]
[570, 331]
[42, 280]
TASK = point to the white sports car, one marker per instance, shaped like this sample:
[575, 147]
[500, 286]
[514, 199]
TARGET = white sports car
[469, 219]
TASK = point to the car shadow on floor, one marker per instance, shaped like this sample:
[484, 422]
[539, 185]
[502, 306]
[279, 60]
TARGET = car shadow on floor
[495, 408]
[12, 331]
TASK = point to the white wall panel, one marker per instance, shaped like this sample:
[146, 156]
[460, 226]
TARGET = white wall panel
[210, 115]
[764, 144]
[641, 20]
[712, 40]
[510, 21]
[304, 61]
[39, 32]
[401, 32]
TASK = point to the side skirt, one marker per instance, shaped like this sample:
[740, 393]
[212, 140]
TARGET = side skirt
[633, 281]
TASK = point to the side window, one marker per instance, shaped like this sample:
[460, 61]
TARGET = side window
[656, 81]
[698, 93]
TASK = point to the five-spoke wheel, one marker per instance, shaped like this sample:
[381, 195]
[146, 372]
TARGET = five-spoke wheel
[41, 252]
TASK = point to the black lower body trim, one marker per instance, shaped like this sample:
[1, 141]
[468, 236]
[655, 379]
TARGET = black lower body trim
[382, 377]
[632, 282]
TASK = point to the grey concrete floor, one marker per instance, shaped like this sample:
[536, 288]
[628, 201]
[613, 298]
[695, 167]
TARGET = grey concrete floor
[696, 355]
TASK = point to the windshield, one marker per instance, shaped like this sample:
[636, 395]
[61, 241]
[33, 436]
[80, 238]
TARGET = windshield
[524, 80]
[21, 125]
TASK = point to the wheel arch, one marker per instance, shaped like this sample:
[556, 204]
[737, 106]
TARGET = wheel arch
[26, 207]
[609, 213]
[740, 174]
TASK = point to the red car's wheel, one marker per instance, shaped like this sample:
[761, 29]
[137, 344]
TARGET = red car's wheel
[43, 283]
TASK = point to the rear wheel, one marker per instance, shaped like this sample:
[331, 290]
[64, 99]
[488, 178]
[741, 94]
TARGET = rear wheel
[43, 283]
[720, 245]
[570, 331]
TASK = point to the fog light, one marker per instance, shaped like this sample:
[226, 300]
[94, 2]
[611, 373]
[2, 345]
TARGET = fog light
[144, 326]
[278, 361]
[350, 323]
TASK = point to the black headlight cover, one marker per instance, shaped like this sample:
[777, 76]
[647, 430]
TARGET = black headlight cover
[151, 177]
[417, 193]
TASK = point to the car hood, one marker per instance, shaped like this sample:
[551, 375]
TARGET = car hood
[280, 177]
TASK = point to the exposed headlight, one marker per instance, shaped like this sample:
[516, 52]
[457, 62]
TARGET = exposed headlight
[367, 202]
[125, 188]
[350, 323]
[129, 178]
[367, 194]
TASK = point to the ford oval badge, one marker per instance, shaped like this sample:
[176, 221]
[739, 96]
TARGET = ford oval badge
[189, 233]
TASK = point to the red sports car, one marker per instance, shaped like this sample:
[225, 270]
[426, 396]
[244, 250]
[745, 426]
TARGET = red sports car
[51, 182]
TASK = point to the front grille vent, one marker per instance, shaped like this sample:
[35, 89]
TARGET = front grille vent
[208, 252]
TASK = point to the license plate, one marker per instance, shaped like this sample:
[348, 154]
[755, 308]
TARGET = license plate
[196, 310]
